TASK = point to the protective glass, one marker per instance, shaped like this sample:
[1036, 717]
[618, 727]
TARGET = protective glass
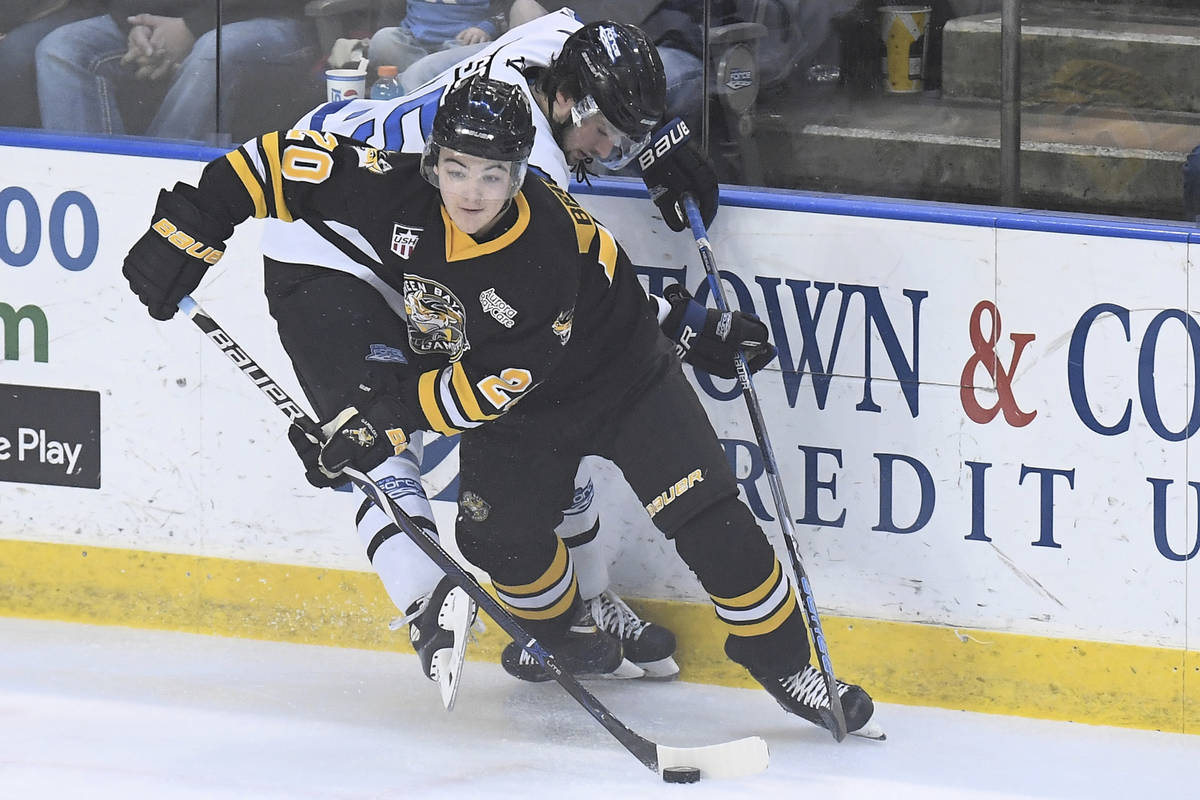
[624, 147]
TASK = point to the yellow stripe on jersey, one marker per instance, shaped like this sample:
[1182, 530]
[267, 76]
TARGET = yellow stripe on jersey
[270, 146]
[250, 181]
[427, 394]
[608, 252]
[754, 596]
[553, 574]
[465, 393]
[585, 226]
[461, 247]
[767, 625]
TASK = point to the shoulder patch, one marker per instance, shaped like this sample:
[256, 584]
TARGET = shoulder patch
[373, 160]
[562, 325]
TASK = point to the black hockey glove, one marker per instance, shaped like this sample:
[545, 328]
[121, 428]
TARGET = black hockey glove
[673, 165]
[171, 258]
[361, 437]
[707, 339]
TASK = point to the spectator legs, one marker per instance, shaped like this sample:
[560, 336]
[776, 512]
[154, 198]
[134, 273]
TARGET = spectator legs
[685, 79]
[78, 67]
[270, 53]
[18, 82]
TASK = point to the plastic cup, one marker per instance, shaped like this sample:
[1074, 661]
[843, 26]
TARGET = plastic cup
[345, 84]
[904, 31]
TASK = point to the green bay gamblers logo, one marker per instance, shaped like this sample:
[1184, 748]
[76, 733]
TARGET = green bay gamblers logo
[437, 321]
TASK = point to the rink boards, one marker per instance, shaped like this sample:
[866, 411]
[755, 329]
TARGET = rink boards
[983, 419]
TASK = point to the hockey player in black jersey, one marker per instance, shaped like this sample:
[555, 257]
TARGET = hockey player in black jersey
[527, 333]
[597, 92]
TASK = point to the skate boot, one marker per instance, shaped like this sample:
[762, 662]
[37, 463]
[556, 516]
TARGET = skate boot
[584, 651]
[804, 695]
[440, 625]
[649, 645]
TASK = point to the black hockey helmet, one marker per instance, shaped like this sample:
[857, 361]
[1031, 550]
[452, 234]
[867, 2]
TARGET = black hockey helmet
[485, 118]
[617, 69]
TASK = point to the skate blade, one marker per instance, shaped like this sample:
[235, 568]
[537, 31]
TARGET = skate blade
[456, 614]
[664, 669]
[624, 671]
[872, 730]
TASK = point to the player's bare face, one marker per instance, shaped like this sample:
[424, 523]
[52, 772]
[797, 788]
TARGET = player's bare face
[474, 190]
[592, 138]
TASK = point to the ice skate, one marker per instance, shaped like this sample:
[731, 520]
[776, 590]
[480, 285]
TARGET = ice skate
[645, 643]
[804, 695]
[584, 651]
[440, 626]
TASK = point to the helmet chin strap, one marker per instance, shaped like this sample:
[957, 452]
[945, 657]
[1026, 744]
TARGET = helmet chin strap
[582, 173]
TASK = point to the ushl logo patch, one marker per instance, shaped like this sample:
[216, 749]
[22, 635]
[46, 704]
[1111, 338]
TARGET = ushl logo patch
[404, 239]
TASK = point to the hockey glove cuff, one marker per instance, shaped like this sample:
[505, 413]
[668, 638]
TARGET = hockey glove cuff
[708, 339]
[672, 165]
[362, 436]
[308, 447]
[170, 259]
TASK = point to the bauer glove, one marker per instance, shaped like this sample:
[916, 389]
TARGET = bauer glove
[708, 339]
[362, 436]
[171, 258]
[672, 165]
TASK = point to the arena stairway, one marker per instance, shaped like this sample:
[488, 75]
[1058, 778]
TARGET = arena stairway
[1110, 109]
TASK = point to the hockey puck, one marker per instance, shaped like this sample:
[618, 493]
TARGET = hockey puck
[681, 774]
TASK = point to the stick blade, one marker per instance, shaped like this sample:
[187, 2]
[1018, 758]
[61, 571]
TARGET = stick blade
[735, 759]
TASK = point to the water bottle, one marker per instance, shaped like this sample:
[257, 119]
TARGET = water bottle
[388, 84]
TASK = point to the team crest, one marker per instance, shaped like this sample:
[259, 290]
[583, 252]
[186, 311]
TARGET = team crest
[437, 321]
[372, 160]
[404, 239]
[474, 507]
[562, 325]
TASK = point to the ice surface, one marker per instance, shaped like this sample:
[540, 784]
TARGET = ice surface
[106, 712]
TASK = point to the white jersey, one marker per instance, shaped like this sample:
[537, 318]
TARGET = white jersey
[404, 124]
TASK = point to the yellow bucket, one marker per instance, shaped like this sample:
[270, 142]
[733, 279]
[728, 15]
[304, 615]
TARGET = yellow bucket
[904, 30]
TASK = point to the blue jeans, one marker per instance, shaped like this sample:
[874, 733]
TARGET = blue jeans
[18, 87]
[397, 47]
[434, 64]
[685, 84]
[83, 86]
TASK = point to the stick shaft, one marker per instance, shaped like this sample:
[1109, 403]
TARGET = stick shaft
[643, 749]
[837, 724]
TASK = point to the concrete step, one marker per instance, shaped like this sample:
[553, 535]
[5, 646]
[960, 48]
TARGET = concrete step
[1139, 57]
[925, 147]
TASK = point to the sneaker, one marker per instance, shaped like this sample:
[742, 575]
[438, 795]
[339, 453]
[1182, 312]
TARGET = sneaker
[804, 695]
[647, 644]
[584, 650]
[439, 627]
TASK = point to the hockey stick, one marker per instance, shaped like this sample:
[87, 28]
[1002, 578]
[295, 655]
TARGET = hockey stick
[835, 718]
[726, 760]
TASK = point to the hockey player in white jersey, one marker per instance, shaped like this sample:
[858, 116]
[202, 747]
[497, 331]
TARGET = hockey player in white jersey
[597, 93]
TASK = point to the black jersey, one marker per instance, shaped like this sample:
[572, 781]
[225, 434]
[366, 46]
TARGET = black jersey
[550, 303]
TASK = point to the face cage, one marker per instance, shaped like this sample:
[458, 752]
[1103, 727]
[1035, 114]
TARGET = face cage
[625, 147]
[429, 160]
